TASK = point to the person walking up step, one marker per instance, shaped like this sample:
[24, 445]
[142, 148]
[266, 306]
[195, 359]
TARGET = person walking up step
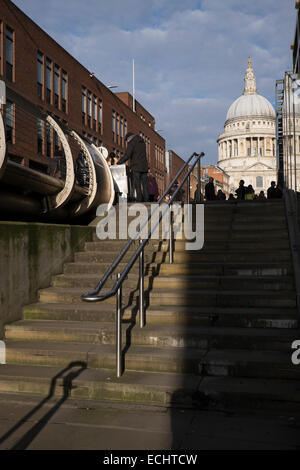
[136, 153]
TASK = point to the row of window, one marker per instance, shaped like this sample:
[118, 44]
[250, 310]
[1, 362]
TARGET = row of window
[148, 144]
[52, 82]
[7, 52]
[119, 128]
[253, 122]
[159, 155]
[9, 121]
[48, 142]
[92, 139]
[91, 110]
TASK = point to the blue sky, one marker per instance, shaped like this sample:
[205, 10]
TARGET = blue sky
[190, 55]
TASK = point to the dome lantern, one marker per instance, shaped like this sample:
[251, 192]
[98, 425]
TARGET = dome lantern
[250, 104]
[250, 80]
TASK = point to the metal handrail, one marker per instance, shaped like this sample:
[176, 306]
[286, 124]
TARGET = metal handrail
[94, 296]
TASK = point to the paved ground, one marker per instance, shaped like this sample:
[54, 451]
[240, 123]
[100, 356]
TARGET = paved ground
[28, 423]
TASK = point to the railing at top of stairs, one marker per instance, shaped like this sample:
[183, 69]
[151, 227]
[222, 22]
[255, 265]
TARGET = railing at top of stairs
[287, 96]
[96, 296]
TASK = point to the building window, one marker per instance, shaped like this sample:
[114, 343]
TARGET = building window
[118, 124]
[56, 143]
[99, 116]
[40, 136]
[89, 109]
[9, 53]
[113, 123]
[48, 140]
[125, 127]
[83, 101]
[9, 121]
[56, 85]
[40, 75]
[259, 181]
[64, 91]
[121, 130]
[95, 113]
[48, 80]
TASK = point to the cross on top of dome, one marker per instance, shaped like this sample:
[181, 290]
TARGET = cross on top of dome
[250, 80]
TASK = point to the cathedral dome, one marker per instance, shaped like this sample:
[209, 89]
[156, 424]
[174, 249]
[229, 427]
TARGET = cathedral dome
[250, 104]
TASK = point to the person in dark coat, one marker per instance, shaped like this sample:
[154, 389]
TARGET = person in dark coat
[136, 153]
[274, 192]
[197, 195]
[221, 196]
[210, 190]
[241, 191]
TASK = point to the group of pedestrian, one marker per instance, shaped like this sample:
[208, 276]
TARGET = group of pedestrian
[242, 193]
[247, 193]
[146, 188]
[210, 192]
[143, 184]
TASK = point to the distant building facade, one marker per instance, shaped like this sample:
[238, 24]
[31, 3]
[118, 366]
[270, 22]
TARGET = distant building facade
[221, 178]
[247, 147]
[173, 163]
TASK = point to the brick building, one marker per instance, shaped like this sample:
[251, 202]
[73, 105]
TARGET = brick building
[36, 67]
[221, 179]
[173, 165]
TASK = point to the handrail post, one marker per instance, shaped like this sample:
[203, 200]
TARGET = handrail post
[119, 330]
[171, 237]
[199, 181]
[141, 283]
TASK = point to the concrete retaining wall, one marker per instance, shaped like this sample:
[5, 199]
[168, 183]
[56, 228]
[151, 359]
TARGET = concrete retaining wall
[30, 253]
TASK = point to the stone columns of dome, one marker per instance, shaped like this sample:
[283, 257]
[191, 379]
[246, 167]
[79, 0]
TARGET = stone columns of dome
[227, 149]
[245, 147]
[265, 147]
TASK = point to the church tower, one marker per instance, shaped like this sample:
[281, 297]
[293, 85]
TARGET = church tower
[247, 147]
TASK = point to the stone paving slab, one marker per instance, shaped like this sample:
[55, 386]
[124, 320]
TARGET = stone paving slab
[81, 425]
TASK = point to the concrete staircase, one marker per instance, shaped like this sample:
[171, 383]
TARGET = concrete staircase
[220, 322]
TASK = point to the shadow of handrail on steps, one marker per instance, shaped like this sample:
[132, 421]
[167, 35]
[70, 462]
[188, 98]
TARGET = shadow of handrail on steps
[31, 434]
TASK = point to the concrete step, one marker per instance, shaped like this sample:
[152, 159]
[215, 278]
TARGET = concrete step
[212, 233]
[182, 316]
[101, 268]
[161, 336]
[235, 393]
[181, 282]
[191, 256]
[132, 387]
[180, 245]
[213, 268]
[223, 362]
[190, 297]
[98, 356]
[256, 364]
[153, 389]
[259, 269]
